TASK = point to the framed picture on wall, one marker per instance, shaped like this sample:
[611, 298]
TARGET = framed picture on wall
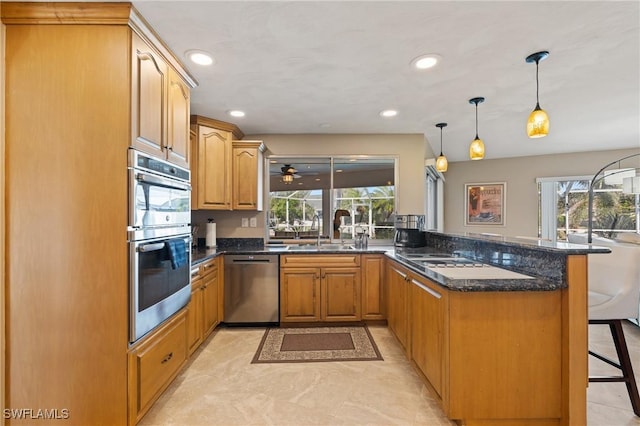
[485, 203]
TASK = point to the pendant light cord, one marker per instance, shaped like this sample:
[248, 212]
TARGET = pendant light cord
[537, 87]
[441, 141]
[477, 120]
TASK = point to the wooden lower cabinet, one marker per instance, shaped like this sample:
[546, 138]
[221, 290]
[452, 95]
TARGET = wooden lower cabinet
[493, 358]
[203, 313]
[154, 363]
[373, 300]
[340, 294]
[195, 322]
[312, 293]
[300, 295]
[428, 307]
[397, 307]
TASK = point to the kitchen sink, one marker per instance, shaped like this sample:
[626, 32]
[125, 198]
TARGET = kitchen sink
[321, 247]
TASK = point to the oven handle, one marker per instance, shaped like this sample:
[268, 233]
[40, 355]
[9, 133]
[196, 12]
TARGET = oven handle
[158, 181]
[151, 247]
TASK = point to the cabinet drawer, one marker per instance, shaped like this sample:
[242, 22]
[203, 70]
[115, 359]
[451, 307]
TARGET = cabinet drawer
[208, 267]
[319, 260]
[158, 360]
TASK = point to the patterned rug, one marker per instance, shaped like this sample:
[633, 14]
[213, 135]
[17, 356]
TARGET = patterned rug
[317, 344]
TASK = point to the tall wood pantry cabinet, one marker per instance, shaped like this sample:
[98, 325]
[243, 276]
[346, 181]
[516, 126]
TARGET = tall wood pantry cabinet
[83, 83]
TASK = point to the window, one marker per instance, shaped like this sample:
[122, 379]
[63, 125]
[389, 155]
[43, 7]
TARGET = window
[564, 208]
[336, 197]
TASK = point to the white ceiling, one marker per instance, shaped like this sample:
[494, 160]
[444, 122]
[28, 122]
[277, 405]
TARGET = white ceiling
[332, 66]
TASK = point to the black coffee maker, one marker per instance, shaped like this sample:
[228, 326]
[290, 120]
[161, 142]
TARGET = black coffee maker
[409, 231]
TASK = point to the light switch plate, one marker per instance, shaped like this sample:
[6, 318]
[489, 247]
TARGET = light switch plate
[253, 222]
[245, 222]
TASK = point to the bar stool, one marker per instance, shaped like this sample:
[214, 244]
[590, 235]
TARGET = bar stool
[614, 296]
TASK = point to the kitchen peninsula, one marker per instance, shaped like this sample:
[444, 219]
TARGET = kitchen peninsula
[509, 350]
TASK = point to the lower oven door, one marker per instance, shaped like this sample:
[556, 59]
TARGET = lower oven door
[160, 281]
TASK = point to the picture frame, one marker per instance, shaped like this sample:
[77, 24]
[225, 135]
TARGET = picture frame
[485, 204]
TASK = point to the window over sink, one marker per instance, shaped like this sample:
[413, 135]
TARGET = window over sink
[337, 197]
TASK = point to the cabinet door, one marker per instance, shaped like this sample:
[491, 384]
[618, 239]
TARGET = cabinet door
[372, 290]
[397, 317]
[195, 320]
[210, 301]
[246, 165]
[154, 363]
[427, 330]
[299, 294]
[149, 82]
[178, 100]
[340, 294]
[214, 169]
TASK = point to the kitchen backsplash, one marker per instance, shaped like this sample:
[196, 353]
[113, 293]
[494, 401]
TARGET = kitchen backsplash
[229, 223]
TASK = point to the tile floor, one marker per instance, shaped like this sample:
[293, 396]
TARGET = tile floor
[220, 386]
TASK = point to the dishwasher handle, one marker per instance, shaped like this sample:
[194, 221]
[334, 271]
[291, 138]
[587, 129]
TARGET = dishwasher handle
[251, 259]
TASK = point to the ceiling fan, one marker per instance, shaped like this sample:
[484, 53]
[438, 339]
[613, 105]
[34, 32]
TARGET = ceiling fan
[289, 173]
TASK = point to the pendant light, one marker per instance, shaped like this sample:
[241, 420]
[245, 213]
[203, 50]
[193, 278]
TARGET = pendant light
[476, 149]
[441, 163]
[538, 122]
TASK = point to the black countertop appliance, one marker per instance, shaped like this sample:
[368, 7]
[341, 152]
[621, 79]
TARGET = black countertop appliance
[409, 231]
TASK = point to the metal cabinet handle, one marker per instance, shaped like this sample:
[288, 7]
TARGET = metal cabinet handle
[167, 358]
[150, 247]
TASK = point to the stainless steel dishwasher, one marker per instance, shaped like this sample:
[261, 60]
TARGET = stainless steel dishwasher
[251, 289]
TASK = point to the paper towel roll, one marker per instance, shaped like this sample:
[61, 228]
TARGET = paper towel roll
[211, 235]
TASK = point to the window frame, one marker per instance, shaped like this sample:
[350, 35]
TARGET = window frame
[328, 202]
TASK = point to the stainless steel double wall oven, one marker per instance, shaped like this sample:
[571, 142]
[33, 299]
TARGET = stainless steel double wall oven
[159, 234]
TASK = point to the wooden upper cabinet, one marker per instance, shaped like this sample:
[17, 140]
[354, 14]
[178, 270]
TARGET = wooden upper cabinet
[214, 168]
[149, 82]
[247, 175]
[178, 145]
[229, 171]
[159, 106]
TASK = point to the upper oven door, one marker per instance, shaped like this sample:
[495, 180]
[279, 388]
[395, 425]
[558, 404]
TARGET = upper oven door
[156, 201]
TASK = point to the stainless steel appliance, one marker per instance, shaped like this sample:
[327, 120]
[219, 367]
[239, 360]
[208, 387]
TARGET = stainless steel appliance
[409, 231]
[159, 235]
[251, 289]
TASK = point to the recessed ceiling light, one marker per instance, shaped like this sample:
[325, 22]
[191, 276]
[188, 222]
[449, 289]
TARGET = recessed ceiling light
[338, 170]
[424, 62]
[317, 179]
[388, 113]
[236, 113]
[199, 57]
[324, 125]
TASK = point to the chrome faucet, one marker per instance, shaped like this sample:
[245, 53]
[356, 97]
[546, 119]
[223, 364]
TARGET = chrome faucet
[316, 220]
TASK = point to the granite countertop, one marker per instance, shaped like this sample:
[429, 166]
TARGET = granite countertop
[535, 283]
[543, 261]
[201, 254]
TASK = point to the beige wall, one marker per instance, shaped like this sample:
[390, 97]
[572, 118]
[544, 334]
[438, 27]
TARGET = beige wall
[410, 188]
[522, 192]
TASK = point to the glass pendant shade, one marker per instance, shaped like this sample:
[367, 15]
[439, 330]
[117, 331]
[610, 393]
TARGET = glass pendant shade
[442, 164]
[538, 123]
[476, 149]
[287, 179]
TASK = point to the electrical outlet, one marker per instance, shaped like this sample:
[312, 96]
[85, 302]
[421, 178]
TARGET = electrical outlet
[245, 222]
[253, 222]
